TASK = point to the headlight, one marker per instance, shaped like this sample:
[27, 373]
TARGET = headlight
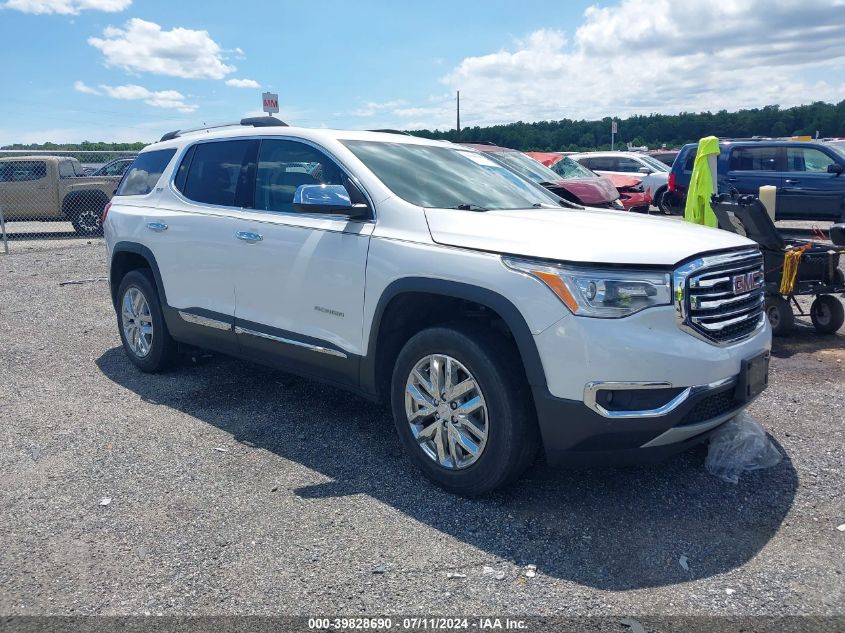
[593, 292]
[617, 204]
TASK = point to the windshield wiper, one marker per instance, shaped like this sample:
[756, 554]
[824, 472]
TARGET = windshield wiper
[470, 207]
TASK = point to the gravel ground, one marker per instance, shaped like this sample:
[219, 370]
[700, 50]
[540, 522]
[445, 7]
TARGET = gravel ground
[236, 489]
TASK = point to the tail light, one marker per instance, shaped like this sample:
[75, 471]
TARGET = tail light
[671, 186]
[105, 213]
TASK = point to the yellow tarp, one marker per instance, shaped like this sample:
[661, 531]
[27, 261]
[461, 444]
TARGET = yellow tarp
[698, 209]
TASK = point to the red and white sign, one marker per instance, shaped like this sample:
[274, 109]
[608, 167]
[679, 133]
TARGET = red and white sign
[271, 102]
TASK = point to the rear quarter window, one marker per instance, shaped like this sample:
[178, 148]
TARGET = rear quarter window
[141, 178]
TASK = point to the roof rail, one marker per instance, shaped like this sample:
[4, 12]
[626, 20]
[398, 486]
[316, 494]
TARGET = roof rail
[257, 121]
[390, 131]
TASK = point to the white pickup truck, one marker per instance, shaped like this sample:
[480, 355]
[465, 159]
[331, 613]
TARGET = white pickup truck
[54, 188]
[494, 318]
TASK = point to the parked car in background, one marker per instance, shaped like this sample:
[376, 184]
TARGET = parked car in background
[654, 174]
[50, 188]
[632, 194]
[426, 275]
[579, 186]
[665, 156]
[810, 176]
[115, 167]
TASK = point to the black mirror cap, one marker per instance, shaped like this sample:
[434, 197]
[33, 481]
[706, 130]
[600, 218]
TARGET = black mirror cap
[835, 168]
[837, 234]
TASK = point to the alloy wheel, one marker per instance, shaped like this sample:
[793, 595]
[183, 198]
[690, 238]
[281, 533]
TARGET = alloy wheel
[446, 411]
[137, 322]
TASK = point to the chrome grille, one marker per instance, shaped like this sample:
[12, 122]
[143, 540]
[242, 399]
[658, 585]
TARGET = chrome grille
[719, 298]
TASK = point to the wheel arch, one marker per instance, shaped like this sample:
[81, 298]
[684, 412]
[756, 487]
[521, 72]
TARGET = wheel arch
[128, 256]
[79, 197]
[383, 346]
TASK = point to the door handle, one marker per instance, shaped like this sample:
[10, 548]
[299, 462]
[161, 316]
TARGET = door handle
[157, 226]
[791, 181]
[731, 179]
[249, 236]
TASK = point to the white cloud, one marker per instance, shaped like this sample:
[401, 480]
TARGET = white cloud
[142, 46]
[170, 99]
[644, 56]
[243, 83]
[372, 107]
[66, 7]
[80, 86]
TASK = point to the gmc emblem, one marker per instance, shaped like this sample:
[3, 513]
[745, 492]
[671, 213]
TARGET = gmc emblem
[747, 282]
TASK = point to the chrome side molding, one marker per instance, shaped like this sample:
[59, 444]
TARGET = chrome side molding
[206, 321]
[287, 341]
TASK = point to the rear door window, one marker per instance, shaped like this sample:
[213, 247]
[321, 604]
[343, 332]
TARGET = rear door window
[754, 159]
[222, 173]
[141, 178]
[23, 171]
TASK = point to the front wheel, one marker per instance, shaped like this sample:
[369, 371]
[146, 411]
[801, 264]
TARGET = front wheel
[827, 314]
[458, 400]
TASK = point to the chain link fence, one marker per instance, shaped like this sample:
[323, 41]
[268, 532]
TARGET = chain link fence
[49, 195]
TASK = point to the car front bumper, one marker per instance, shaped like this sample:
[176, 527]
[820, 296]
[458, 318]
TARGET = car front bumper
[672, 389]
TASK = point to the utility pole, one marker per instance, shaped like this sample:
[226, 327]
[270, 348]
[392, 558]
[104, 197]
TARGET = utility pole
[459, 115]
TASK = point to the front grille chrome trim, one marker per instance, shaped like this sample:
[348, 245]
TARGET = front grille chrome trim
[708, 312]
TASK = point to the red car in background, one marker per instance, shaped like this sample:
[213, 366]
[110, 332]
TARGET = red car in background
[587, 189]
[632, 194]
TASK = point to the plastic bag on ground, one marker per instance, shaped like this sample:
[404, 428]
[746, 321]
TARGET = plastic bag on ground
[738, 445]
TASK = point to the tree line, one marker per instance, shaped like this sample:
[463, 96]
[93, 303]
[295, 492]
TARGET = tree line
[653, 130]
[657, 130]
[99, 146]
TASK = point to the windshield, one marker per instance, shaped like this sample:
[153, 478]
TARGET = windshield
[654, 163]
[568, 168]
[526, 166]
[446, 178]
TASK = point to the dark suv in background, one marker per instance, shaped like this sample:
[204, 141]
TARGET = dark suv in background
[808, 175]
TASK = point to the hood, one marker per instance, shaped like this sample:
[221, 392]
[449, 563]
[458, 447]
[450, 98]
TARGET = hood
[588, 190]
[623, 182]
[579, 235]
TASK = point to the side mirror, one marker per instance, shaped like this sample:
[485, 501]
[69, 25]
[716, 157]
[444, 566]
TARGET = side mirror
[328, 199]
[835, 168]
[644, 170]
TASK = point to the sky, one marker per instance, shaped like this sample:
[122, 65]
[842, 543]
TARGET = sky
[130, 70]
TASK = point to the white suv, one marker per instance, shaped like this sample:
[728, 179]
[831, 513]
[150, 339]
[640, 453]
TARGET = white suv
[421, 273]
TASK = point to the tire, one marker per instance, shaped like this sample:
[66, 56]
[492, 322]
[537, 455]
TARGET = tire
[827, 314]
[507, 416]
[158, 352]
[86, 215]
[780, 316]
[661, 201]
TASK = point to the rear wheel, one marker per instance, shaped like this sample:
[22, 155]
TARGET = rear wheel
[140, 320]
[780, 316]
[85, 212]
[827, 314]
[458, 404]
